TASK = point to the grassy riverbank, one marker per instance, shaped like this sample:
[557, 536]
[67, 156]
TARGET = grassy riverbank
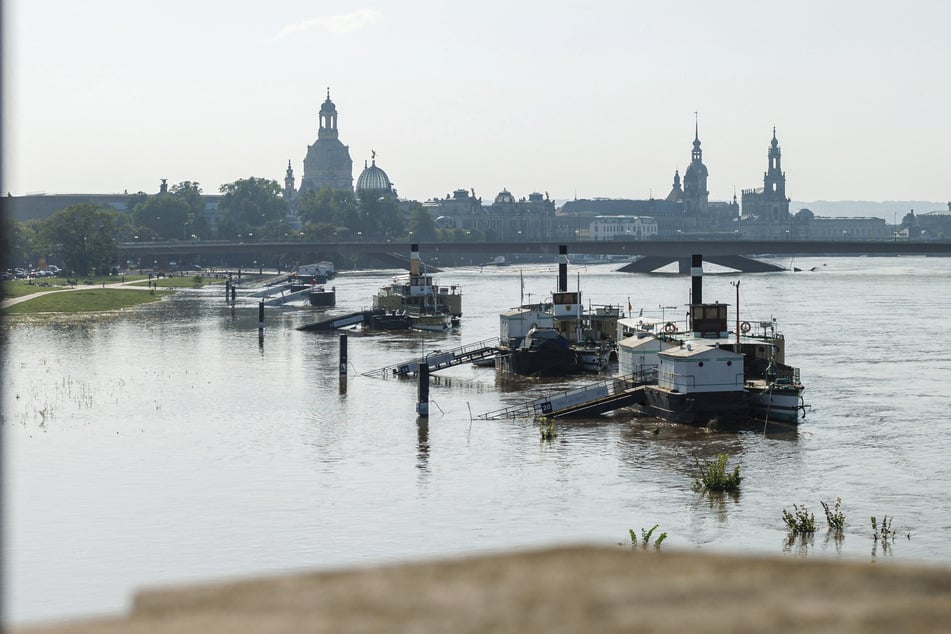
[93, 294]
[91, 300]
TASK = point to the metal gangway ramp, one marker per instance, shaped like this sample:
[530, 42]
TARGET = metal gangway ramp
[586, 401]
[440, 359]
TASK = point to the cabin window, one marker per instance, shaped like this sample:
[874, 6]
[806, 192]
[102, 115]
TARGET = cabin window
[700, 364]
[729, 363]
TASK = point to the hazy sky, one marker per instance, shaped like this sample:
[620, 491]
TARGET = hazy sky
[571, 98]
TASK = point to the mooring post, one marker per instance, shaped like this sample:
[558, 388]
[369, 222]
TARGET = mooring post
[261, 318]
[234, 294]
[227, 289]
[422, 390]
[343, 363]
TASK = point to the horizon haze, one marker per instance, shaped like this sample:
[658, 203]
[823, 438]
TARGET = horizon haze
[576, 101]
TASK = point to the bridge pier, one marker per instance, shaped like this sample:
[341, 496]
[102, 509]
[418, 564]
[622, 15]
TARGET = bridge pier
[651, 263]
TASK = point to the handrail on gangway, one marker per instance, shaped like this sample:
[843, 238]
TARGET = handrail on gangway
[439, 359]
[574, 398]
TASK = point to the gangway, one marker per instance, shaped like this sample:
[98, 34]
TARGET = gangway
[342, 321]
[587, 401]
[440, 359]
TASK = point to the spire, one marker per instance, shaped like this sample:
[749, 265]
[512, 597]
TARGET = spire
[774, 142]
[328, 93]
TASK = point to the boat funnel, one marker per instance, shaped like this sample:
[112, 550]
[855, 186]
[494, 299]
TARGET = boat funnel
[562, 268]
[696, 279]
[414, 260]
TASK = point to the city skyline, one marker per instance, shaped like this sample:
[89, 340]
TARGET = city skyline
[574, 101]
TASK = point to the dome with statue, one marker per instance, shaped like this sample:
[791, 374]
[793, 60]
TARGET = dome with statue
[372, 178]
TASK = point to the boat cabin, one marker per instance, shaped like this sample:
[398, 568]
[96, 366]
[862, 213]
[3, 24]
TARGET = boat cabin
[693, 368]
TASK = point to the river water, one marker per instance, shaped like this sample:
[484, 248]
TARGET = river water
[167, 444]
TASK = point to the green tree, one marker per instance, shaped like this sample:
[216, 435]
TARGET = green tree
[161, 217]
[248, 204]
[196, 223]
[421, 224]
[84, 237]
[19, 244]
[337, 208]
[380, 216]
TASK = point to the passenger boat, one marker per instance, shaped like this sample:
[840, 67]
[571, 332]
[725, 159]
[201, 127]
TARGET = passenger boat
[419, 295]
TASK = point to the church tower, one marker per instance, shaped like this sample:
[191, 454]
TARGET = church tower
[289, 189]
[696, 195]
[774, 180]
[328, 162]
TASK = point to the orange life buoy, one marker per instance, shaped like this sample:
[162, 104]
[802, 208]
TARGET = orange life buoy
[745, 326]
[670, 327]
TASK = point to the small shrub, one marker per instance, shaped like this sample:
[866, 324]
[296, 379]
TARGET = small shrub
[835, 518]
[802, 521]
[714, 476]
[548, 432]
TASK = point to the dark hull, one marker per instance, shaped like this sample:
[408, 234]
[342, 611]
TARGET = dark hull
[323, 298]
[697, 408]
[387, 322]
[543, 362]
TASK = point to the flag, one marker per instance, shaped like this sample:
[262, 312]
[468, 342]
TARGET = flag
[641, 314]
[628, 306]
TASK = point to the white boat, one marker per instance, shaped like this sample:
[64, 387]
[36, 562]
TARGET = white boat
[432, 322]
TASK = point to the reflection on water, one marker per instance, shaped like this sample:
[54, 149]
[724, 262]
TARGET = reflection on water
[170, 443]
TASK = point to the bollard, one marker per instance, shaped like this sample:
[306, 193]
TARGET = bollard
[261, 317]
[227, 288]
[234, 294]
[422, 390]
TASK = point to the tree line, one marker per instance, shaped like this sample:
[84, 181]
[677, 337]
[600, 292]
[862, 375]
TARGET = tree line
[82, 239]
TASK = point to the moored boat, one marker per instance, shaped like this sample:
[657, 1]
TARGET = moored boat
[706, 372]
[418, 294]
[321, 297]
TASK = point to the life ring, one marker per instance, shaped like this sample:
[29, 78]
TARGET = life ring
[745, 326]
[670, 327]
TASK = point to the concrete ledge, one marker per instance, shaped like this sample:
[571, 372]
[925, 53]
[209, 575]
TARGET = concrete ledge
[576, 589]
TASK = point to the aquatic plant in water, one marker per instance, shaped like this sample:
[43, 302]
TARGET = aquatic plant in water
[835, 518]
[646, 537]
[714, 477]
[548, 431]
[801, 521]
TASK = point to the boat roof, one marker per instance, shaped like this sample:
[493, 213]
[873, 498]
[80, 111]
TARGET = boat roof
[690, 350]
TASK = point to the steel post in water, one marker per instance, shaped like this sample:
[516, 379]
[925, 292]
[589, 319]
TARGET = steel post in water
[234, 294]
[696, 278]
[227, 288]
[343, 363]
[562, 268]
[261, 318]
[422, 390]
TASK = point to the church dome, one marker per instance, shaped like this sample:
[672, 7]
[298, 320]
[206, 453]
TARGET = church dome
[505, 198]
[373, 178]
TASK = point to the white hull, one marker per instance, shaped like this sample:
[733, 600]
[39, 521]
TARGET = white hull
[430, 323]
